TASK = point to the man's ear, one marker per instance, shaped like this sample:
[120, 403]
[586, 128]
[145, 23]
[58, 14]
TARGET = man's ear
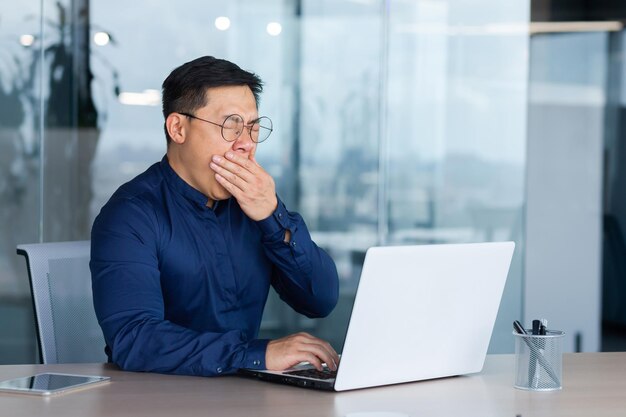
[176, 127]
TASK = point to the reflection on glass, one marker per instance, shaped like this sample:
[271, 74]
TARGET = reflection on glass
[20, 91]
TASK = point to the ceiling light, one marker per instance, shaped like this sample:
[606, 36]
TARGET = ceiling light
[222, 23]
[101, 38]
[27, 40]
[274, 28]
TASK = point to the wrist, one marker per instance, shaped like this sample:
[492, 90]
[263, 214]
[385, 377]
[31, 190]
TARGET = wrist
[256, 354]
[276, 223]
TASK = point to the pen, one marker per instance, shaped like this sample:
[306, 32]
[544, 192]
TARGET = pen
[532, 364]
[517, 326]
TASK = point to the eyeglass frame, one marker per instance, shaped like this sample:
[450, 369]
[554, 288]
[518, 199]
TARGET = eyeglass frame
[249, 127]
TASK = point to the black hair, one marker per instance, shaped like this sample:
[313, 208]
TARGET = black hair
[185, 89]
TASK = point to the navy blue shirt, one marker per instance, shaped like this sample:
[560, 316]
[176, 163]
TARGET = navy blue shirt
[179, 287]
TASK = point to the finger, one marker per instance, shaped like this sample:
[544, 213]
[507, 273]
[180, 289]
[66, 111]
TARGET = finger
[321, 352]
[231, 177]
[230, 187]
[334, 354]
[240, 161]
[307, 338]
[334, 357]
[303, 336]
[231, 167]
[312, 359]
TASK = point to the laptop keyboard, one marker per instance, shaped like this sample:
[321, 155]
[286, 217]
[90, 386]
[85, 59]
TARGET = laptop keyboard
[314, 373]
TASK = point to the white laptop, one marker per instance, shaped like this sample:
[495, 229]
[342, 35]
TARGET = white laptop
[420, 312]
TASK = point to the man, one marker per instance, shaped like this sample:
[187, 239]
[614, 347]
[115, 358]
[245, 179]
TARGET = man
[183, 255]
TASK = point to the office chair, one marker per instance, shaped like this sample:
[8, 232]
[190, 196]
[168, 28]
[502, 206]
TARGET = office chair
[60, 282]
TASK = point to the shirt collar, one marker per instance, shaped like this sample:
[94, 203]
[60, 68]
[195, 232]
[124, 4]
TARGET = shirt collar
[180, 186]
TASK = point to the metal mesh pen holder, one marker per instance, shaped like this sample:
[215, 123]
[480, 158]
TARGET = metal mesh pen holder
[539, 361]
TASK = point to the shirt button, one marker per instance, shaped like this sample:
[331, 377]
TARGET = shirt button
[257, 362]
[280, 215]
[293, 243]
[219, 370]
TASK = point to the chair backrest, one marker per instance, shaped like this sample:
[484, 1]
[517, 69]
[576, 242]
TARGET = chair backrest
[60, 282]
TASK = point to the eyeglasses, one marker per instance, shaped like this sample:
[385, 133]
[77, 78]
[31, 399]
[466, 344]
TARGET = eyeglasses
[233, 125]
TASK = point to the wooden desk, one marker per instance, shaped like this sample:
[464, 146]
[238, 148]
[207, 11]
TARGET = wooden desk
[594, 385]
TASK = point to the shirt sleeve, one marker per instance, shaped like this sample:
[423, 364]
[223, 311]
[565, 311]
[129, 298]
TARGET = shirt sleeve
[129, 304]
[305, 275]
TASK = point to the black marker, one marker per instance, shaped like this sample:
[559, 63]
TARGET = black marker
[536, 325]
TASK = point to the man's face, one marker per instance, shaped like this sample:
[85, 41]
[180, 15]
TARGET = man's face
[191, 158]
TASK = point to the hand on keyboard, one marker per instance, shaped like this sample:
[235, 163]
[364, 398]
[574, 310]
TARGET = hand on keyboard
[288, 351]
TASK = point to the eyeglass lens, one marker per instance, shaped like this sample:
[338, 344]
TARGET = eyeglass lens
[234, 125]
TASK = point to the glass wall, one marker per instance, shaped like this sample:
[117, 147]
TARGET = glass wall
[443, 160]
[396, 122]
[567, 126]
[20, 171]
[456, 130]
